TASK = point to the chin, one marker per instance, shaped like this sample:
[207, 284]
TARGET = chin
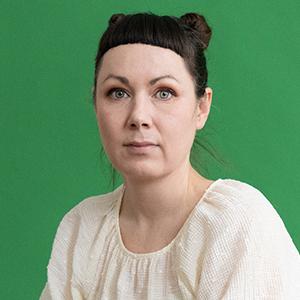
[141, 172]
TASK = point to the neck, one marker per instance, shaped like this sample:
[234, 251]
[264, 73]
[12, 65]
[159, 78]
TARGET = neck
[152, 202]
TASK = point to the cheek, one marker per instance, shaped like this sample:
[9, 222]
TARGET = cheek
[180, 133]
[107, 125]
[183, 124]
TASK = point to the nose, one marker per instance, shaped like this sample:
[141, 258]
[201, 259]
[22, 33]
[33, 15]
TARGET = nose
[139, 113]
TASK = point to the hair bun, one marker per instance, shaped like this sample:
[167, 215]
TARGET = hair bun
[115, 18]
[198, 23]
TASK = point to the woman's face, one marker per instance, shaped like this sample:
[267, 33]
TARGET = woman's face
[147, 110]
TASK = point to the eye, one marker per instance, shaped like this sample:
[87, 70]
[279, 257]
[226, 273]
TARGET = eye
[165, 94]
[117, 93]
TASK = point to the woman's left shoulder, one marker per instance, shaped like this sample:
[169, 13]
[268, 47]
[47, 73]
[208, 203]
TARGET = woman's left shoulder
[248, 244]
[235, 206]
[230, 195]
[238, 211]
[238, 208]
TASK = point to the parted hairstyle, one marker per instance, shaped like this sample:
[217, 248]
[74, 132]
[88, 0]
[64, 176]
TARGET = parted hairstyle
[188, 36]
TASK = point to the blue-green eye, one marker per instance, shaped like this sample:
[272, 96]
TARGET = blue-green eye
[165, 94]
[117, 93]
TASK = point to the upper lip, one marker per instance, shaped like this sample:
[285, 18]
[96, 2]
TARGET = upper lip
[140, 143]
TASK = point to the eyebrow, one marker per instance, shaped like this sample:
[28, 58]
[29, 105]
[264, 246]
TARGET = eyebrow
[126, 81]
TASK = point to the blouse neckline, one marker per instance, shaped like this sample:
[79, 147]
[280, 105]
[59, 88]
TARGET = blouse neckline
[176, 239]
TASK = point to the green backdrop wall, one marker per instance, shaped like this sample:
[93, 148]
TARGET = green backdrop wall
[49, 145]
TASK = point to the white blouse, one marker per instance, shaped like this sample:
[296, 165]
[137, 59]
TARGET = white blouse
[232, 246]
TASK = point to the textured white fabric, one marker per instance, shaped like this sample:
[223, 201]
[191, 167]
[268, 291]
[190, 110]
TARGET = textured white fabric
[233, 246]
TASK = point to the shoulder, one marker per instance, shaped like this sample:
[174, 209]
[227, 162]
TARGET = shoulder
[89, 220]
[99, 204]
[94, 207]
[246, 242]
[87, 215]
[233, 209]
[81, 223]
[237, 198]
[237, 211]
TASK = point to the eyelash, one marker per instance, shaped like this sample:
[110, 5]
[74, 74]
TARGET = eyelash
[160, 90]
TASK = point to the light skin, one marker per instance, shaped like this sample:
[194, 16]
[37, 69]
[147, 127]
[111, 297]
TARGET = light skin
[148, 115]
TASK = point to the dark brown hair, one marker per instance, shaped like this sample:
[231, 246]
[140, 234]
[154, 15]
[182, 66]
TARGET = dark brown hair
[188, 36]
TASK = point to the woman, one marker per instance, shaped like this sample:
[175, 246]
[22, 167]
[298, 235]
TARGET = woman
[167, 232]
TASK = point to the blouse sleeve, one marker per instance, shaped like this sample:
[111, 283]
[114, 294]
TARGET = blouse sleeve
[250, 255]
[45, 295]
[67, 268]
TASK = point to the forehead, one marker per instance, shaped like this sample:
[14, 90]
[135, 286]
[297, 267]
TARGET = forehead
[143, 60]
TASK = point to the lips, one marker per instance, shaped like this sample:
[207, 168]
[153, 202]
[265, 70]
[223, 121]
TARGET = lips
[140, 147]
[140, 144]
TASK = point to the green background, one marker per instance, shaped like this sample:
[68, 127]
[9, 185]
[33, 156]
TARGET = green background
[49, 142]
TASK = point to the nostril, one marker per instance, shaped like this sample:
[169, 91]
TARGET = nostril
[137, 124]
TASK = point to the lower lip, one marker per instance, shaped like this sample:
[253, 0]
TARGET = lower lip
[141, 149]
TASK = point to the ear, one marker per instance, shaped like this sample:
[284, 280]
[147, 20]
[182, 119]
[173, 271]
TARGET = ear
[203, 108]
